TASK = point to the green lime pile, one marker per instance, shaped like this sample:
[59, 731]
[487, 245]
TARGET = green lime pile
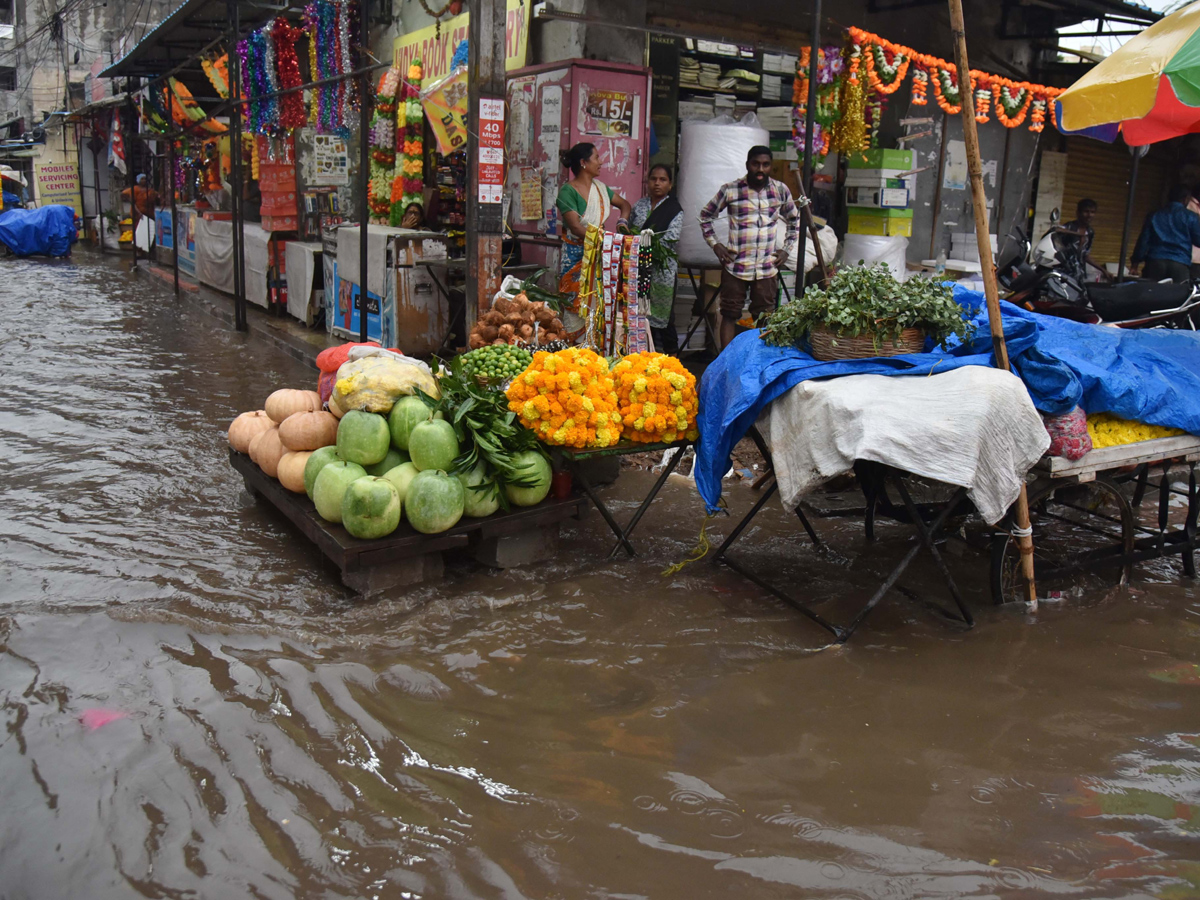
[496, 362]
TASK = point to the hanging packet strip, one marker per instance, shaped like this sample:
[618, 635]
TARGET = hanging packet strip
[609, 275]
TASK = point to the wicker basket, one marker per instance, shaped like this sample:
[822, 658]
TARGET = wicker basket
[826, 346]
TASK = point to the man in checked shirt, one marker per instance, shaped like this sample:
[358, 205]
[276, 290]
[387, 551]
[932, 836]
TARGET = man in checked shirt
[751, 261]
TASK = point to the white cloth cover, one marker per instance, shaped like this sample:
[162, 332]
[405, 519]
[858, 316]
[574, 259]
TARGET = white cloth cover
[347, 255]
[973, 427]
[214, 257]
[301, 268]
[712, 152]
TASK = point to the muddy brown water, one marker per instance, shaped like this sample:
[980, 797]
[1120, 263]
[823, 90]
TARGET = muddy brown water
[576, 729]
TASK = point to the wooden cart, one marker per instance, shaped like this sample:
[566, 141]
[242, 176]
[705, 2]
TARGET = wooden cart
[405, 557]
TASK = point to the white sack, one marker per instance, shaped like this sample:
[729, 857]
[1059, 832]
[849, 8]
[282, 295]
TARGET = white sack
[868, 249]
[712, 152]
[973, 427]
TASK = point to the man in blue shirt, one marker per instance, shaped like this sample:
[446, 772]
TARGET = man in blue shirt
[1167, 238]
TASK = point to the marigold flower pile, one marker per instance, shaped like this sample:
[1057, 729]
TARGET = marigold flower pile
[568, 399]
[656, 398]
[1106, 430]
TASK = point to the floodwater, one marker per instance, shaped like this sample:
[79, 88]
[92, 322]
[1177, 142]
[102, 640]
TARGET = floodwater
[193, 705]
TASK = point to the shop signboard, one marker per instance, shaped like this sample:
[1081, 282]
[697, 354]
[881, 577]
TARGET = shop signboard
[434, 46]
[58, 182]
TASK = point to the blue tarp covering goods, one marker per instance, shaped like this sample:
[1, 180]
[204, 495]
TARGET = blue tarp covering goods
[48, 231]
[1150, 376]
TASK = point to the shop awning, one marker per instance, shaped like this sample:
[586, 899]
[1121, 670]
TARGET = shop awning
[190, 28]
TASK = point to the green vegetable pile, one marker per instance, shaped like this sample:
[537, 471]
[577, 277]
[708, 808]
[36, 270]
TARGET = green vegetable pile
[496, 362]
[868, 300]
[488, 431]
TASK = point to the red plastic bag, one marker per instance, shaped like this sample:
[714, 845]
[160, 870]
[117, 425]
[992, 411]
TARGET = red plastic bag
[325, 384]
[1069, 436]
[332, 359]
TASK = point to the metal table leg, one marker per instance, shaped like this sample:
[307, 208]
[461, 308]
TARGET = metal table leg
[1189, 526]
[577, 473]
[649, 498]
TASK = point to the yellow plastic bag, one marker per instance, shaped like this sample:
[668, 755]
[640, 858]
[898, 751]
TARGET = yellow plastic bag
[375, 384]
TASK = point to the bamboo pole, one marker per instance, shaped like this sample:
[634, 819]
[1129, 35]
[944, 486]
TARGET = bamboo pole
[987, 263]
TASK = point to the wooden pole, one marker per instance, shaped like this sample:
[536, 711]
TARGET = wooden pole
[987, 263]
[485, 154]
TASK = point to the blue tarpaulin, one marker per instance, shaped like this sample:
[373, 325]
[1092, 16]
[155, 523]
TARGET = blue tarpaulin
[1150, 376]
[48, 231]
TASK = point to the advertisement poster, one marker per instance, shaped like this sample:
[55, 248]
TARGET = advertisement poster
[446, 109]
[491, 150]
[58, 183]
[609, 113]
[331, 160]
[531, 194]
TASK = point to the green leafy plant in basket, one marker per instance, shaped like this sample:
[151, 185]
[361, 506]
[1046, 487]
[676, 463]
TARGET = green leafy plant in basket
[868, 302]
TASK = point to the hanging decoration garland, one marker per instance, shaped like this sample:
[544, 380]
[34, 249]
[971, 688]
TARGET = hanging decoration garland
[831, 70]
[287, 64]
[1011, 100]
[383, 147]
[217, 70]
[850, 130]
[407, 183]
[323, 21]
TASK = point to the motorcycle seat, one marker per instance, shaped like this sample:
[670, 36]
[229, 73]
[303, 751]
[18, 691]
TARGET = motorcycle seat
[1115, 302]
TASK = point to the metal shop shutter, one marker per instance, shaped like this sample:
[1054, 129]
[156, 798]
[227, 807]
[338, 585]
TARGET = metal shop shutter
[1100, 171]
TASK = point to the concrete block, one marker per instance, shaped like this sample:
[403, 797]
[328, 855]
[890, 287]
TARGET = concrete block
[520, 549]
[401, 573]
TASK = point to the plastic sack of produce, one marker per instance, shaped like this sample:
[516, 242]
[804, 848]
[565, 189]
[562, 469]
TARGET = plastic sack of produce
[375, 383]
[333, 358]
[1069, 436]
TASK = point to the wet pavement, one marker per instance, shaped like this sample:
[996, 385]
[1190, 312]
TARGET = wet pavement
[194, 707]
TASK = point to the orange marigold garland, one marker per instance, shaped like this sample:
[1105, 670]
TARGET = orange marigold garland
[920, 85]
[567, 399]
[983, 104]
[657, 398]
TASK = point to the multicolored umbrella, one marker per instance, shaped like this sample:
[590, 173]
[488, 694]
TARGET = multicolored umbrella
[1147, 91]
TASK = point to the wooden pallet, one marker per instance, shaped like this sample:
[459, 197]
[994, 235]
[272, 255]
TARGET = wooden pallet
[408, 555]
[1184, 446]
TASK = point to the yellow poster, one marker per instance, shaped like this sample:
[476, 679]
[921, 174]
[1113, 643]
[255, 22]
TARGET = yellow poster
[435, 51]
[446, 110]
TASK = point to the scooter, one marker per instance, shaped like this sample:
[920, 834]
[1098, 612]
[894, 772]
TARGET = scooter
[1052, 282]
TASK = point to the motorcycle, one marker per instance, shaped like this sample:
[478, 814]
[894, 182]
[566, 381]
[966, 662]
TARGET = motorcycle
[1051, 277]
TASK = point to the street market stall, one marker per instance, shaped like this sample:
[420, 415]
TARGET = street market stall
[871, 417]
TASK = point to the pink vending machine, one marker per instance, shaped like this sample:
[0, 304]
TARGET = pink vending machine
[551, 108]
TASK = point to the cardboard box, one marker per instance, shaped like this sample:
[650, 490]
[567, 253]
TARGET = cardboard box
[279, 203]
[280, 223]
[895, 197]
[881, 159]
[276, 177]
[885, 222]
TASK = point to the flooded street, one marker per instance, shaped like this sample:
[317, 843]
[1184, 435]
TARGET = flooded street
[194, 706]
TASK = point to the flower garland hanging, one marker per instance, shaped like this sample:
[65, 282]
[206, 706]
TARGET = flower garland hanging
[831, 71]
[407, 183]
[383, 147]
[920, 85]
[883, 76]
[1012, 101]
[287, 63]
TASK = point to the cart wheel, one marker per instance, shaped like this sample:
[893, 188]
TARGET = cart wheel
[1068, 521]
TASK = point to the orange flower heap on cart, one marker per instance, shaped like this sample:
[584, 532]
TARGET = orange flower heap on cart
[567, 399]
[656, 397]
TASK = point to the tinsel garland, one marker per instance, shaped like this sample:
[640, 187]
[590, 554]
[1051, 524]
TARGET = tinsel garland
[346, 87]
[408, 185]
[291, 105]
[322, 19]
[249, 109]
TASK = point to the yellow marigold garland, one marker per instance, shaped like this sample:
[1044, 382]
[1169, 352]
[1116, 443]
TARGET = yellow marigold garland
[567, 399]
[656, 397]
